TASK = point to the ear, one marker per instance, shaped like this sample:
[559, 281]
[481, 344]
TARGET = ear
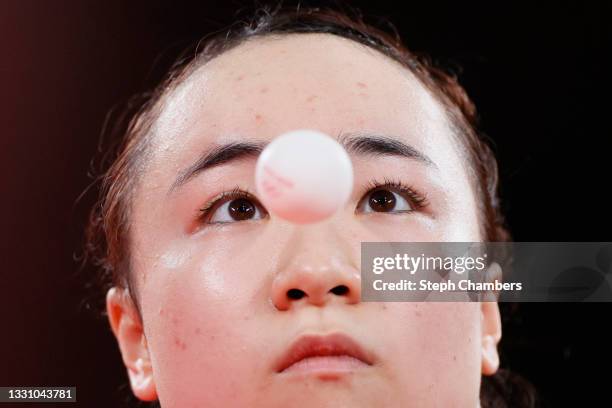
[491, 330]
[126, 325]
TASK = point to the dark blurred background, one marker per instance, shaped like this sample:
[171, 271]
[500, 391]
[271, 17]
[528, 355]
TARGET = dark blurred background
[539, 74]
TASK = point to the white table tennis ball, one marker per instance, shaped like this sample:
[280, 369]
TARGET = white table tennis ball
[304, 176]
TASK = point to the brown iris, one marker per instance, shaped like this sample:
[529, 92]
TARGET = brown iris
[382, 200]
[241, 209]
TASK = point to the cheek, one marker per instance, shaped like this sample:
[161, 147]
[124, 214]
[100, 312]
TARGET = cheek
[198, 307]
[418, 228]
[435, 347]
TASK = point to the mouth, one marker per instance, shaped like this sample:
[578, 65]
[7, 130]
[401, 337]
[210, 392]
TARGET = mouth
[329, 355]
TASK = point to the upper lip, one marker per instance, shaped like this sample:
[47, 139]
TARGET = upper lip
[313, 345]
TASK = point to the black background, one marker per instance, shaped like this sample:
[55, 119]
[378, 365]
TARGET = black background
[539, 74]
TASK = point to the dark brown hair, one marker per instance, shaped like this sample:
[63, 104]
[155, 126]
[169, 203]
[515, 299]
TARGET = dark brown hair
[108, 232]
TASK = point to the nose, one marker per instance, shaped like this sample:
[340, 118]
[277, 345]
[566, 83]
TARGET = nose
[318, 267]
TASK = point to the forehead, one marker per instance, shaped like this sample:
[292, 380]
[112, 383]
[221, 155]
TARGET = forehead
[270, 85]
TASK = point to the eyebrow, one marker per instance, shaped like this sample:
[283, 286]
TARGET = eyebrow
[360, 144]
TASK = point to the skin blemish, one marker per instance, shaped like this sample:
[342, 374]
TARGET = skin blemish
[361, 85]
[197, 330]
[365, 95]
[417, 312]
[239, 78]
[263, 90]
[258, 117]
[311, 98]
[180, 344]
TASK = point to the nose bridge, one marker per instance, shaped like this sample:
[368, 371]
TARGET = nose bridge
[318, 265]
[316, 246]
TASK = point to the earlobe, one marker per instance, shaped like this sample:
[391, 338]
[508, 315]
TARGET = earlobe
[126, 324]
[490, 356]
[491, 335]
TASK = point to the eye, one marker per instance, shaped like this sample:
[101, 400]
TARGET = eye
[232, 206]
[391, 197]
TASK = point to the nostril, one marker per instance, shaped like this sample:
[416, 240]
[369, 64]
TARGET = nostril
[340, 290]
[295, 294]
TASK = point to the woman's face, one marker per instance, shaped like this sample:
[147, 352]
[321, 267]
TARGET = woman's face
[214, 288]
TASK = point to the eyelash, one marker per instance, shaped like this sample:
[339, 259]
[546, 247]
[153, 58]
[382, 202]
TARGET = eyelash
[206, 211]
[417, 200]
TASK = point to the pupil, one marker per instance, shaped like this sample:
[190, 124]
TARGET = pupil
[382, 200]
[241, 209]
